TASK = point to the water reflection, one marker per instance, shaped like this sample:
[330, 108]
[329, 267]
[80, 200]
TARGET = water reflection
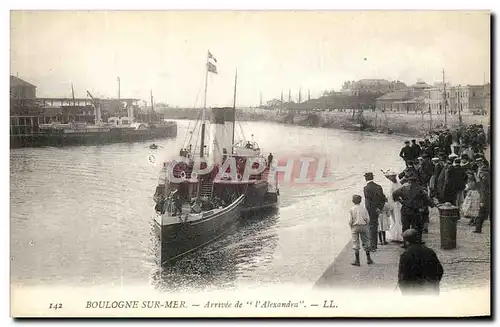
[218, 266]
[88, 209]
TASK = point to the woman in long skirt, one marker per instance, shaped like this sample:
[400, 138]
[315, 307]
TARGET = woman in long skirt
[395, 233]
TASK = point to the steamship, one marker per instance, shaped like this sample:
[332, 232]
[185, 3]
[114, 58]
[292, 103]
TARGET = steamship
[206, 189]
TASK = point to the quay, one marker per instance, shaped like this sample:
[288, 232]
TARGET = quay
[467, 266]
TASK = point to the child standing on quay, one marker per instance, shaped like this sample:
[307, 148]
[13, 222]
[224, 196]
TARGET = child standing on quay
[384, 223]
[358, 222]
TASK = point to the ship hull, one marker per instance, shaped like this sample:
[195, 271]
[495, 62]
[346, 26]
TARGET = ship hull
[261, 195]
[269, 202]
[92, 138]
[183, 238]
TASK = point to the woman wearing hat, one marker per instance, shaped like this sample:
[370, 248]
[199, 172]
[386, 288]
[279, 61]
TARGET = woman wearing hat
[396, 227]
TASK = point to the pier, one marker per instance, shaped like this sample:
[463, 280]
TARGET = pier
[467, 266]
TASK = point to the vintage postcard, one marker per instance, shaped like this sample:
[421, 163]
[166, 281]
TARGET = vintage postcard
[250, 163]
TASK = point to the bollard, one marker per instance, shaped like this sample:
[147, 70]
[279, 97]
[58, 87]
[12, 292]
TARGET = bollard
[448, 217]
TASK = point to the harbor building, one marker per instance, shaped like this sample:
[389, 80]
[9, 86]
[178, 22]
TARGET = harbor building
[372, 86]
[422, 97]
[20, 89]
[28, 112]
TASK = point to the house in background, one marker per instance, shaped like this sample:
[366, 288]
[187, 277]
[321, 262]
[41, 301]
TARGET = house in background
[20, 89]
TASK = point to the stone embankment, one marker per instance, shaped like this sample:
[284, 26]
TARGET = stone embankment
[411, 124]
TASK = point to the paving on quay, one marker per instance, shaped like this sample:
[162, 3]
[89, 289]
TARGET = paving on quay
[466, 266]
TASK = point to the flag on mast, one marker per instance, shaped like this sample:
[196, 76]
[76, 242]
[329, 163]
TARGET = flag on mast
[211, 67]
[210, 56]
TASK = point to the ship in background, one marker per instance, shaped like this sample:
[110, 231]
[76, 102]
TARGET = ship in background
[232, 177]
[80, 121]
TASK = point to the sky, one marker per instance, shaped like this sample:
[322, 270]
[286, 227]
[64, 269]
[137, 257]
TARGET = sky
[164, 52]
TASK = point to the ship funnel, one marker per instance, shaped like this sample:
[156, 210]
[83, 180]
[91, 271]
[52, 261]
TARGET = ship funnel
[130, 113]
[218, 133]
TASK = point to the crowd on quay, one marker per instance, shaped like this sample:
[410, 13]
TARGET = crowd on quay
[446, 168]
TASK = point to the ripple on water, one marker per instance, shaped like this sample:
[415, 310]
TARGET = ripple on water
[89, 211]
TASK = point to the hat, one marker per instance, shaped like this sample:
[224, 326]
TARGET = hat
[465, 156]
[425, 155]
[456, 162]
[480, 159]
[406, 142]
[420, 158]
[452, 156]
[368, 174]
[464, 162]
[356, 198]
[410, 236]
[389, 172]
[435, 159]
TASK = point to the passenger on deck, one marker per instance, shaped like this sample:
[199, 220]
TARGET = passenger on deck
[269, 159]
[224, 155]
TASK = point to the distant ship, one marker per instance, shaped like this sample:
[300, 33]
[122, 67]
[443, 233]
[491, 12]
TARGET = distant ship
[115, 130]
[194, 208]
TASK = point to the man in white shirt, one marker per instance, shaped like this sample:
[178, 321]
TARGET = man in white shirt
[358, 222]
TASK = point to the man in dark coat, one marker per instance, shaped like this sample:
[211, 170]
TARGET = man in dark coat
[425, 170]
[406, 153]
[374, 203]
[429, 148]
[414, 201]
[420, 270]
[410, 170]
[454, 182]
[438, 167]
[448, 141]
[483, 178]
[442, 181]
[415, 149]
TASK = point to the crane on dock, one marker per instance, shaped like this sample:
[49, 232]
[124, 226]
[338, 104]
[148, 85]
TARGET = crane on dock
[97, 109]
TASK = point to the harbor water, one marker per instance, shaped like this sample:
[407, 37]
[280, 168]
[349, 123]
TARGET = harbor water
[83, 215]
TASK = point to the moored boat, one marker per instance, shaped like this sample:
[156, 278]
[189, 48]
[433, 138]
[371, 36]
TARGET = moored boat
[29, 132]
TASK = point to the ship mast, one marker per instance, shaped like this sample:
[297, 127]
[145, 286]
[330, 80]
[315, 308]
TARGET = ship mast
[202, 145]
[234, 107]
[73, 94]
[444, 101]
[152, 106]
